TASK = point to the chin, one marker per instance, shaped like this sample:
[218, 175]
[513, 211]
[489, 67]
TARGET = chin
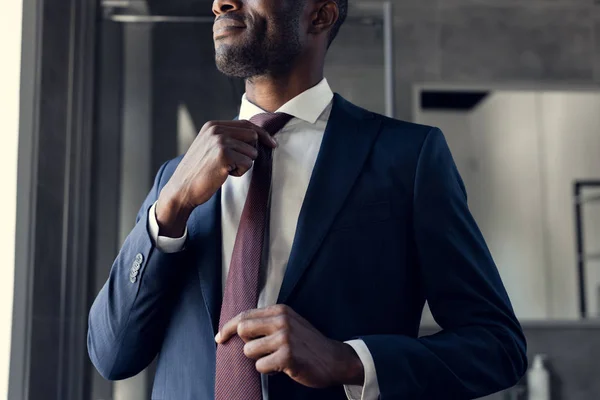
[233, 70]
[229, 47]
[241, 59]
[227, 67]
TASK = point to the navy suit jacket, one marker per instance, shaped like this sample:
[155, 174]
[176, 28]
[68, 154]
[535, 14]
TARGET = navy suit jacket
[384, 227]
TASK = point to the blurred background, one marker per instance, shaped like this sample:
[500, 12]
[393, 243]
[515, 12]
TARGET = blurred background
[96, 94]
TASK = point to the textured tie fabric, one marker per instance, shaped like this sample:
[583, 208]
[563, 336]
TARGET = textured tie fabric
[236, 375]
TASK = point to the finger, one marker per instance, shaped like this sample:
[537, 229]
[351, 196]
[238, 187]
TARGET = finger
[246, 135]
[253, 133]
[237, 164]
[276, 309]
[280, 310]
[235, 123]
[265, 137]
[261, 347]
[242, 148]
[276, 362]
[251, 328]
[229, 329]
[239, 130]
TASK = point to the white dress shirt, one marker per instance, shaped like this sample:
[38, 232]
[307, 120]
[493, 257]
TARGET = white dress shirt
[293, 162]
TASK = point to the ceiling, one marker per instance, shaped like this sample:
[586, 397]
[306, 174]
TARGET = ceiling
[185, 8]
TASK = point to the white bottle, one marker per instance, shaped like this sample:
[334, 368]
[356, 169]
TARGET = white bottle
[538, 380]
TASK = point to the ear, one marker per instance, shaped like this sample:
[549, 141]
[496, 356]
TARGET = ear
[324, 15]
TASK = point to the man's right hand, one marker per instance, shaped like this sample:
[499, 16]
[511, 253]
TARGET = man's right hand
[222, 148]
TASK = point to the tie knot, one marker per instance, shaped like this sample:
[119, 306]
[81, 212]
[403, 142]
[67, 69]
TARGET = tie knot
[271, 122]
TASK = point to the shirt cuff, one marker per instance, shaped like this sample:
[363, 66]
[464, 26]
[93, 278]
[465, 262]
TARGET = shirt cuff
[370, 389]
[164, 243]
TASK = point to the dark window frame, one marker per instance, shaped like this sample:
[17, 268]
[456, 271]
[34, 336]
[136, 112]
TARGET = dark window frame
[54, 199]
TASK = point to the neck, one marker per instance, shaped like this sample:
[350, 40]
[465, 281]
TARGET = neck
[272, 92]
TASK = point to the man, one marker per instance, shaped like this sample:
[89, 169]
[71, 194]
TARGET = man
[306, 236]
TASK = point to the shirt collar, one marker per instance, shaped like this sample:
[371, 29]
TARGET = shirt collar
[307, 106]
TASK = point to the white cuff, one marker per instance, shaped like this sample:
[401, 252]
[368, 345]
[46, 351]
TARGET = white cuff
[370, 389]
[164, 243]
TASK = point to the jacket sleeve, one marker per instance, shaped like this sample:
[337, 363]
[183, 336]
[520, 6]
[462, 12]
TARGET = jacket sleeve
[481, 348]
[127, 320]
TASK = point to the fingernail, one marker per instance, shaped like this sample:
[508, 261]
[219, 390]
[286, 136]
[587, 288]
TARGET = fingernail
[218, 337]
[273, 140]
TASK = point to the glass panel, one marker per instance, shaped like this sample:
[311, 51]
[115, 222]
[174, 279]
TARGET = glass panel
[158, 84]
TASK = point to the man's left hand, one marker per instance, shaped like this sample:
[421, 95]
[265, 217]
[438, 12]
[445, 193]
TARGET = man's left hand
[280, 340]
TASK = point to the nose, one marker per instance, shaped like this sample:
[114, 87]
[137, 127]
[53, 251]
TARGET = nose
[224, 6]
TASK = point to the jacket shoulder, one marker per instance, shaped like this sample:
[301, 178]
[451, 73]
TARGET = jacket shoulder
[399, 126]
[407, 129]
[402, 136]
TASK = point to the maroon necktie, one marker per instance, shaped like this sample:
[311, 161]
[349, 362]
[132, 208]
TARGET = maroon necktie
[236, 375]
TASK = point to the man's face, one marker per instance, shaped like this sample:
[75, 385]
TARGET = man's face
[257, 37]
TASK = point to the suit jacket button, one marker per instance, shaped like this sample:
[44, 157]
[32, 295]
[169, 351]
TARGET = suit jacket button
[139, 258]
[132, 279]
[134, 272]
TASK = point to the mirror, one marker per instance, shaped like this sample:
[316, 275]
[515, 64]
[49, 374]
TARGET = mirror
[530, 162]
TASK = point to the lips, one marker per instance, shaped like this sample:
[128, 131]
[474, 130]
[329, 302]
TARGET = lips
[224, 24]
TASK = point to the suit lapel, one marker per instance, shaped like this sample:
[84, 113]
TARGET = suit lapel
[205, 233]
[347, 142]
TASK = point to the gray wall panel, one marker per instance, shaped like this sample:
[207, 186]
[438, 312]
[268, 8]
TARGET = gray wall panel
[516, 43]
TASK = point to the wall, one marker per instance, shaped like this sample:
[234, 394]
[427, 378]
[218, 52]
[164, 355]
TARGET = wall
[355, 61]
[495, 147]
[494, 41]
[10, 48]
[572, 142]
[519, 153]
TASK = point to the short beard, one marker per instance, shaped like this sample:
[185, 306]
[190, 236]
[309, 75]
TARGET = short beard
[265, 53]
